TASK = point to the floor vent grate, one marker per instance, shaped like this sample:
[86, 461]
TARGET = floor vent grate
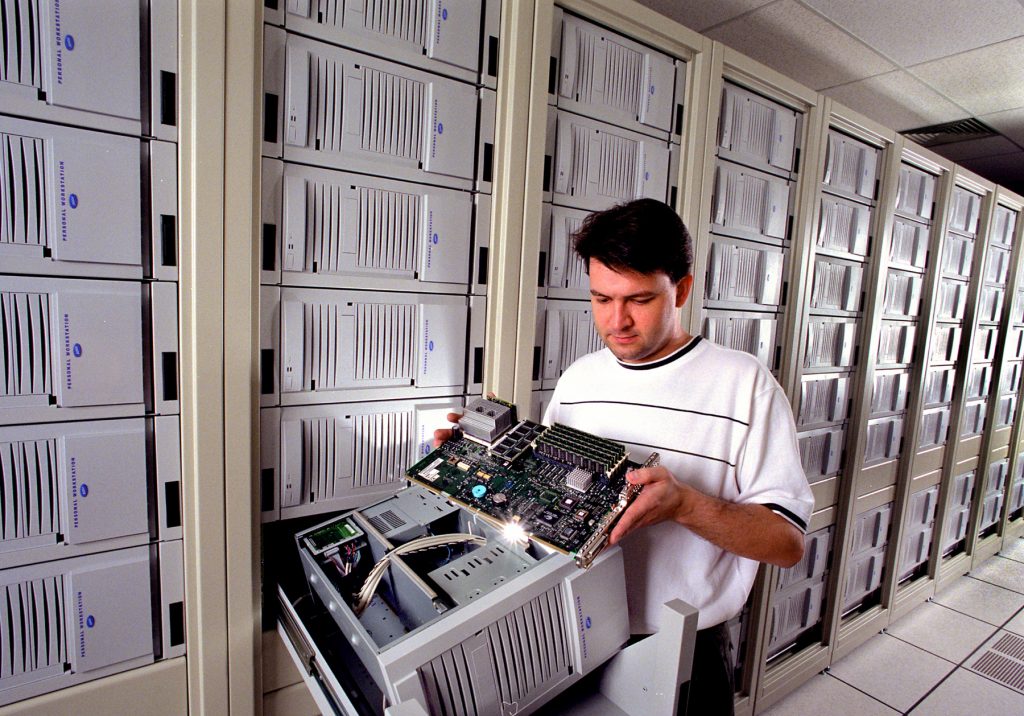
[1003, 662]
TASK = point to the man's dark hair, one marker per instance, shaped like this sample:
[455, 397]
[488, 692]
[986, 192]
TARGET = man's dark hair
[645, 236]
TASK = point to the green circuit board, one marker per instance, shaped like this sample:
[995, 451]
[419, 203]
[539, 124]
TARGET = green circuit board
[559, 484]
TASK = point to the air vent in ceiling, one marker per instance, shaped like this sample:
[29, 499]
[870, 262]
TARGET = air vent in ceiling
[960, 131]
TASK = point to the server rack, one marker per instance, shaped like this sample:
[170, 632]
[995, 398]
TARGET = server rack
[996, 326]
[965, 250]
[378, 149]
[91, 557]
[614, 123]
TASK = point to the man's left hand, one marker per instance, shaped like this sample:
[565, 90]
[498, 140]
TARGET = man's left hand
[663, 498]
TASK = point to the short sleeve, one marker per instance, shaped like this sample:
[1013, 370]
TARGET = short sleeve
[769, 471]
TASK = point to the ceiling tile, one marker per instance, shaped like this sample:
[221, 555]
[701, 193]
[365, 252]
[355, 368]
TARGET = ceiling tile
[910, 32]
[702, 15]
[800, 44]
[1003, 169]
[975, 148]
[982, 81]
[897, 100]
[1009, 123]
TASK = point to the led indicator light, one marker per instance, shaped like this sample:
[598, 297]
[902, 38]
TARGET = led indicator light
[440, 128]
[77, 350]
[73, 200]
[69, 42]
[430, 346]
[90, 621]
[434, 239]
[83, 490]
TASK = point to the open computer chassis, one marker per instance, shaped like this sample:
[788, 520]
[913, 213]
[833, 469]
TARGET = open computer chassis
[476, 534]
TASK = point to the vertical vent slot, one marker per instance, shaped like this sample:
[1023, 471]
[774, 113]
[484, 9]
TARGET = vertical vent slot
[168, 240]
[21, 60]
[168, 98]
[547, 172]
[385, 341]
[478, 365]
[327, 13]
[30, 492]
[481, 266]
[536, 363]
[23, 191]
[266, 489]
[401, 19]
[176, 623]
[321, 452]
[270, 110]
[580, 156]
[25, 361]
[326, 78]
[492, 57]
[552, 74]
[617, 167]
[172, 498]
[267, 371]
[389, 228]
[575, 269]
[268, 246]
[393, 115]
[449, 685]
[34, 638]
[623, 78]
[383, 447]
[488, 167]
[760, 134]
[169, 370]
[529, 647]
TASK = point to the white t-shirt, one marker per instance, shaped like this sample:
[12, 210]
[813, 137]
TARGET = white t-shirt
[720, 423]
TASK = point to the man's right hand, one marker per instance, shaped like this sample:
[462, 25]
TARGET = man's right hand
[442, 435]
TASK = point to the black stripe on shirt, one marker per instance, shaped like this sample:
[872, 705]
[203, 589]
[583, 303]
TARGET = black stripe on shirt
[681, 452]
[656, 407]
[783, 512]
[663, 361]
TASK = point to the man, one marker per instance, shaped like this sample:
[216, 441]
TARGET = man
[730, 491]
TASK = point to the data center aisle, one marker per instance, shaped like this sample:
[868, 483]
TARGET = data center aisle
[960, 653]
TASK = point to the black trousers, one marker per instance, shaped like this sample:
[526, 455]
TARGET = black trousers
[711, 691]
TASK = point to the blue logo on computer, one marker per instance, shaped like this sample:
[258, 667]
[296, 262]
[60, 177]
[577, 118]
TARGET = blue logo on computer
[77, 350]
[444, 14]
[90, 621]
[440, 128]
[434, 239]
[587, 622]
[69, 42]
[73, 200]
[430, 346]
[83, 490]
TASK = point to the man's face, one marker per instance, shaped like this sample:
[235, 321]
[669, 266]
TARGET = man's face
[635, 313]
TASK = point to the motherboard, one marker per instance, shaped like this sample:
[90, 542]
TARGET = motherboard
[560, 486]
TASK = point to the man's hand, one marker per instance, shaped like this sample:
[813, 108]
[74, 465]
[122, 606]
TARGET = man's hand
[663, 498]
[751, 531]
[442, 435]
